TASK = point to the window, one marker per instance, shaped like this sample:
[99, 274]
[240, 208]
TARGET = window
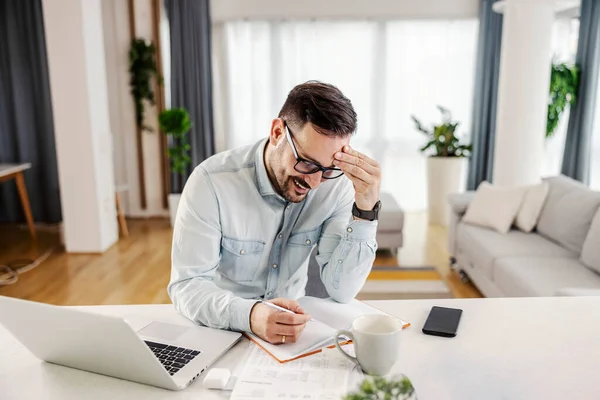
[565, 33]
[390, 70]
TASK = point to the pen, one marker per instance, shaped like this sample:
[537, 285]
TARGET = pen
[266, 303]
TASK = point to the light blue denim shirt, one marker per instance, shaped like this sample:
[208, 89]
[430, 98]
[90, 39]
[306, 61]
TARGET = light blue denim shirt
[236, 241]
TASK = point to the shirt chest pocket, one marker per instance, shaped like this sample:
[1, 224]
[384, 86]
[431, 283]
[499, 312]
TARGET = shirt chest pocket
[300, 244]
[240, 259]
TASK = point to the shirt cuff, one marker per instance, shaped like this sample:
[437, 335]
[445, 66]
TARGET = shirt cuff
[361, 230]
[239, 314]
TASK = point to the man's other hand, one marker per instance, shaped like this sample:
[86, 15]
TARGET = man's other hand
[276, 326]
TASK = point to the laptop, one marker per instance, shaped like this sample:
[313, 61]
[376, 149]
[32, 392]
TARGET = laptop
[159, 354]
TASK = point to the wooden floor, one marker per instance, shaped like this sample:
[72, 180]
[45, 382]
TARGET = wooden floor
[136, 270]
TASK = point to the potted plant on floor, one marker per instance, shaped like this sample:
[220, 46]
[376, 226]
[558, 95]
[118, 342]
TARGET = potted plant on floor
[176, 123]
[445, 165]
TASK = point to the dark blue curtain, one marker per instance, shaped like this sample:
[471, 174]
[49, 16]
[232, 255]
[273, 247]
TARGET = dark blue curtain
[576, 159]
[26, 124]
[191, 76]
[485, 95]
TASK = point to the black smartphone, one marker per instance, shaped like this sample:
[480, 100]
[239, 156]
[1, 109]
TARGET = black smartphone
[442, 321]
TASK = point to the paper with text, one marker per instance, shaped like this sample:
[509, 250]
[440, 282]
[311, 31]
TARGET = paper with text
[323, 376]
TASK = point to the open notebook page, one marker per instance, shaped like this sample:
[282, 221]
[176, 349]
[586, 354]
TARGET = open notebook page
[338, 315]
[315, 336]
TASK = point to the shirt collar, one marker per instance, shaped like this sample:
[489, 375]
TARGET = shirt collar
[265, 187]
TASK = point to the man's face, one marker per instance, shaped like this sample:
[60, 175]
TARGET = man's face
[310, 145]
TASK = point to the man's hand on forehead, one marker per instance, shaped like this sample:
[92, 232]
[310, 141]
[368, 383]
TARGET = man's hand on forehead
[365, 174]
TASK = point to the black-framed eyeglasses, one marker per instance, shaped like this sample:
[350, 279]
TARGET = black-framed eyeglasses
[310, 167]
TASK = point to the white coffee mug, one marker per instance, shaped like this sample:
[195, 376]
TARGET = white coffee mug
[376, 341]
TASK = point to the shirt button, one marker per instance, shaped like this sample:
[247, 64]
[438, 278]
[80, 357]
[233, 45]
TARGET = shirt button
[280, 236]
[349, 229]
[270, 293]
[339, 261]
[242, 251]
[274, 265]
[307, 241]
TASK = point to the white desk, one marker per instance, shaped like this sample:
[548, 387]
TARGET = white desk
[536, 348]
[15, 171]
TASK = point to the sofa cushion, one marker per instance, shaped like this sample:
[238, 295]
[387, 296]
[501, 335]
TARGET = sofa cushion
[590, 253]
[568, 212]
[391, 216]
[483, 246]
[531, 208]
[541, 276]
[494, 207]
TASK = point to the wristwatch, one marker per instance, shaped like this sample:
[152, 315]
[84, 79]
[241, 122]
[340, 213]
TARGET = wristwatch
[371, 215]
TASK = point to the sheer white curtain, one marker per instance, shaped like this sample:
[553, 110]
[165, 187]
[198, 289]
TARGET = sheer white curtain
[565, 33]
[389, 70]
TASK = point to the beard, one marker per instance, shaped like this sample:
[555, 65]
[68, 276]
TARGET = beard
[291, 188]
[283, 182]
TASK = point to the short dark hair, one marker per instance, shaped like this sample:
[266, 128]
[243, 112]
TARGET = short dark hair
[323, 105]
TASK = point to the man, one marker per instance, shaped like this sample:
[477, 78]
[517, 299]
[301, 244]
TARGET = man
[249, 219]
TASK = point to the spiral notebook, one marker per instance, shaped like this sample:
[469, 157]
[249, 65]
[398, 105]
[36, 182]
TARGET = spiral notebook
[328, 317]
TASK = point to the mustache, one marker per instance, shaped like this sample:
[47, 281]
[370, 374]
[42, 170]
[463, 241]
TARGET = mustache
[302, 181]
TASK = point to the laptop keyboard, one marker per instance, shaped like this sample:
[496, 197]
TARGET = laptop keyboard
[171, 357]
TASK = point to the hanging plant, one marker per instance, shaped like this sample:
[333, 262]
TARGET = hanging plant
[564, 82]
[142, 68]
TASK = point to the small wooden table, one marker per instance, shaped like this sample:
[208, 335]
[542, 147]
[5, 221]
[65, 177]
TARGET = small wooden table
[15, 171]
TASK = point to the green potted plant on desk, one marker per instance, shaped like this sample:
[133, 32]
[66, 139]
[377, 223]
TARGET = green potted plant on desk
[445, 165]
[376, 388]
[176, 124]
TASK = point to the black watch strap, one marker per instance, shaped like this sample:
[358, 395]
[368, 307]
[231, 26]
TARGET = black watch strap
[370, 215]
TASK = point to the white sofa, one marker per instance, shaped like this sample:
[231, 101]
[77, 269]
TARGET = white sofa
[561, 257]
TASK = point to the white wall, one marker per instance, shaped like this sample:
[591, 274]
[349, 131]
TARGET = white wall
[78, 86]
[222, 10]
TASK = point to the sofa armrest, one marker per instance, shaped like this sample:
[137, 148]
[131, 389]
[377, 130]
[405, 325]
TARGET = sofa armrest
[459, 202]
[577, 292]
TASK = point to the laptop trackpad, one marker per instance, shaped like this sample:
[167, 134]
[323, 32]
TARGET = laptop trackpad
[161, 330]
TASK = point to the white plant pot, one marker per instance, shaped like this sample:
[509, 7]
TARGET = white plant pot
[174, 199]
[445, 175]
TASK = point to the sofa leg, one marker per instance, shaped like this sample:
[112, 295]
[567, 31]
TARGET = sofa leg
[463, 276]
[394, 251]
[452, 260]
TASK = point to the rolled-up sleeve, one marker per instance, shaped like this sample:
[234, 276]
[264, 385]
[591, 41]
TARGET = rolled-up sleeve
[346, 250]
[195, 259]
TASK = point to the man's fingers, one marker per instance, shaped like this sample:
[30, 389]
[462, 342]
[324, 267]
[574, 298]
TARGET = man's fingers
[349, 150]
[359, 158]
[290, 319]
[355, 172]
[342, 159]
[276, 331]
[278, 339]
[288, 330]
